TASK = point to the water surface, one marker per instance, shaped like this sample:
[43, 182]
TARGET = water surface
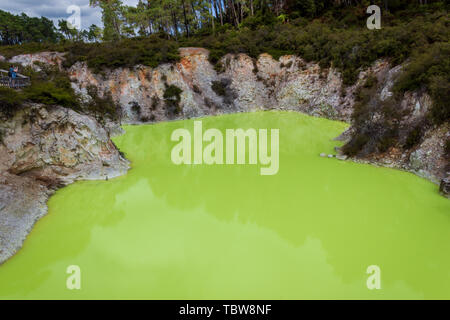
[226, 232]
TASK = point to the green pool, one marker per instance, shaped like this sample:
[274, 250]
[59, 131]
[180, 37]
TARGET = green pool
[225, 231]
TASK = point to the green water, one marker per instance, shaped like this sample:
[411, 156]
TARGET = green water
[166, 231]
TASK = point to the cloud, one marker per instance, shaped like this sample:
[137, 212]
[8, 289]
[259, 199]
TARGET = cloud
[57, 9]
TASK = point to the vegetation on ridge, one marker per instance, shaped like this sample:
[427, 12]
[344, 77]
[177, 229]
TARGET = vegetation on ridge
[50, 86]
[329, 32]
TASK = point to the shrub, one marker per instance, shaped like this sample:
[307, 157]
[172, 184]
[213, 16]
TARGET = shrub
[155, 102]
[149, 51]
[440, 94]
[287, 65]
[101, 106]
[424, 65]
[219, 88]
[414, 137]
[370, 81]
[219, 68]
[135, 107]
[387, 139]
[10, 101]
[255, 66]
[430, 69]
[355, 145]
[51, 94]
[172, 98]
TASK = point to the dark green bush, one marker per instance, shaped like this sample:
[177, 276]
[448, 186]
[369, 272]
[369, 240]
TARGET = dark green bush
[101, 107]
[387, 139]
[155, 102]
[50, 93]
[219, 88]
[135, 107]
[10, 101]
[430, 70]
[440, 93]
[414, 137]
[172, 92]
[370, 81]
[356, 144]
[150, 51]
[424, 66]
[172, 98]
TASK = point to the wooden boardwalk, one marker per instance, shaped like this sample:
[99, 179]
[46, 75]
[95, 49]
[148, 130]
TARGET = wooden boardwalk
[20, 82]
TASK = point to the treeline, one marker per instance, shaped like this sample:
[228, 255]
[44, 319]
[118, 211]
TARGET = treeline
[21, 29]
[18, 29]
[175, 18]
[178, 19]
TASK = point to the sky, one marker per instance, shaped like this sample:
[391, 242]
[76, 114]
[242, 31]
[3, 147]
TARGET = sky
[56, 9]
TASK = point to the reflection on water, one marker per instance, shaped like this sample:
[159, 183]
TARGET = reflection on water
[166, 231]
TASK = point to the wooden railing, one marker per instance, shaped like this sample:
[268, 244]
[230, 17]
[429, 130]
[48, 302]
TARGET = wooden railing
[19, 82]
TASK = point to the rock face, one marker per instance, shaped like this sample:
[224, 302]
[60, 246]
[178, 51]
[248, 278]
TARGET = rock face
[428, 159]
[444, 188]
[246, 85]
[43, 149]
[34, 59]
[23, 201]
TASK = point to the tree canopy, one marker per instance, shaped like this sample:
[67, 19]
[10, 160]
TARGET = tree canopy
[17, 29]
[175, 18]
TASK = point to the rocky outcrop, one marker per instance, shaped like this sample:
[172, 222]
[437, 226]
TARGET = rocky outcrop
[247, 84]
[444, 187]
[43, 149]
[34, 59]
[23, 200]
[428, 159]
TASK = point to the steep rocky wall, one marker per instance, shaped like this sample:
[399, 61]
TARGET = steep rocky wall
[287, 84]
[248, 85]
[34, 59]
[42, 149]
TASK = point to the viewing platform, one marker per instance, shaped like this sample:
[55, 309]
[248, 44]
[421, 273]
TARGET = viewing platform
[19, 82]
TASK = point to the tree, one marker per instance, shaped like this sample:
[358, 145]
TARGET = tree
[94, 33]
[19, 29]
[111, 17]
[69, 33]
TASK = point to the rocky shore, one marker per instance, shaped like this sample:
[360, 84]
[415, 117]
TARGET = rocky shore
[44, 148]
